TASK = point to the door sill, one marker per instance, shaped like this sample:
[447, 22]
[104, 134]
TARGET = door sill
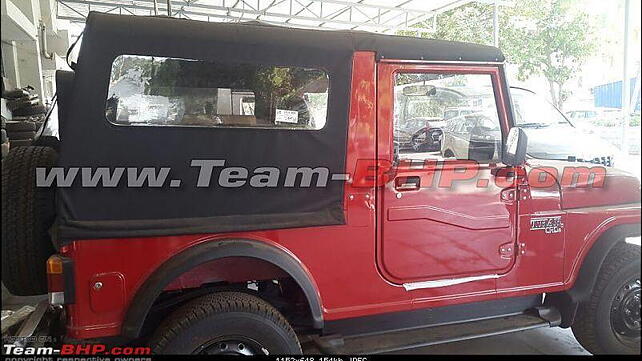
[428, 336]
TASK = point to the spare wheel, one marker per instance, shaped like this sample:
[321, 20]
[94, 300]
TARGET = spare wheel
[27, 214]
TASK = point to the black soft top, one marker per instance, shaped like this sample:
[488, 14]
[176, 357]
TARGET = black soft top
[295, 39]
[89, 140]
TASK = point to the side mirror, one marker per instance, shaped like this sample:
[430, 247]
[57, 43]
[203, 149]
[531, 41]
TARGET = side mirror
[515, 147]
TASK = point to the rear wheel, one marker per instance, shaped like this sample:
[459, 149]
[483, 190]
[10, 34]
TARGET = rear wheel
[609, 321]
[226, 323]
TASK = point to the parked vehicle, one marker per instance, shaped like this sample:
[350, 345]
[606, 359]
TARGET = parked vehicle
[592, 117]
[240, 253]
[475, 136]
[474, 133]
[552, 136]
[606, 123]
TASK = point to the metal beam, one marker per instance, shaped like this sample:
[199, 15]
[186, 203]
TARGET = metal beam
[300, 13]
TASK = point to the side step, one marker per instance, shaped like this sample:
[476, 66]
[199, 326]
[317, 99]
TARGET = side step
[427, 336]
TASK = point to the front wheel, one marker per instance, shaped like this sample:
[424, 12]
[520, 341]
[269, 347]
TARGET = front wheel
[226, 323]
[609, 321]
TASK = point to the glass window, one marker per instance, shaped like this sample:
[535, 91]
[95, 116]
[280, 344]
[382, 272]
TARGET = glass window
[155, 91]
[533, 111]
[446, 116]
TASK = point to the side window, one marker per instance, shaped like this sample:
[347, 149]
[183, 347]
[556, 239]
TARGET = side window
[155, 91]
[453, 116]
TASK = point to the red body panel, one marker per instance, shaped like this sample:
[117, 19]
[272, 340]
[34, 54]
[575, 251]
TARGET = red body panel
[341, 260]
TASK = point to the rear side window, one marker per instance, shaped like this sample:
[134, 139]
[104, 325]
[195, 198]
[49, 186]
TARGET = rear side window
[156, 91]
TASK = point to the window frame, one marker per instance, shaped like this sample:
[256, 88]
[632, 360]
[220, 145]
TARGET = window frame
[258, 127]
[388, 70]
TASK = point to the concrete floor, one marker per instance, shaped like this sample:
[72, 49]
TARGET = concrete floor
[541, 341]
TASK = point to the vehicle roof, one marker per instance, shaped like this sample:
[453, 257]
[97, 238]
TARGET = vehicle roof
[252, 33]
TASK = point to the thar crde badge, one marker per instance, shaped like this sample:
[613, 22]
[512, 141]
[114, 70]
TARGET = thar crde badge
[547, 224]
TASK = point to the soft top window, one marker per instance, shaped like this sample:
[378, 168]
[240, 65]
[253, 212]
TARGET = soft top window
[157, 91]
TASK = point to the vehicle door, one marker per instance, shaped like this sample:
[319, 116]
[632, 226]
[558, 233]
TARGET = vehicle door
[444, 218]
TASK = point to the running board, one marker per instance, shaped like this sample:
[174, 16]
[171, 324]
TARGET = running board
[428, 336]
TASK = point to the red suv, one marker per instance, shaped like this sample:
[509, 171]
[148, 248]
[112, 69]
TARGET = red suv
[236, 189]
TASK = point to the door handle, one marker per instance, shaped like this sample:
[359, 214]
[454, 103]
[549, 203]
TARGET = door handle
[411, 183]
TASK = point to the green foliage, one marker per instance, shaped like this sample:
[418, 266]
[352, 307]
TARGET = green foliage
[551, 38]
[471, 23]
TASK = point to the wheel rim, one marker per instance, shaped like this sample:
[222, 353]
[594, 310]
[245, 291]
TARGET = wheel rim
[625, 312]
[232, 345]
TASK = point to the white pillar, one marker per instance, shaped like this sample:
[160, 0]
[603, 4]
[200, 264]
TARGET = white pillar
[626, 85]
[496, 23]
[30, 66]
[10, 62]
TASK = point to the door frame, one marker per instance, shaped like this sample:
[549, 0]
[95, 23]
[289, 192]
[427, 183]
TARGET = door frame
[386, 71]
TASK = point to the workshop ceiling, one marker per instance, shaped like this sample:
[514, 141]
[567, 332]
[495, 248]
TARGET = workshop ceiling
[384, 16]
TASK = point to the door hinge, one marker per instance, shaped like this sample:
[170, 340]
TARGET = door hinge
[521, 248]
[507, 250]
[508, 195]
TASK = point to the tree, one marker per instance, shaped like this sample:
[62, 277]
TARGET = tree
[471, 23]
[551, 38]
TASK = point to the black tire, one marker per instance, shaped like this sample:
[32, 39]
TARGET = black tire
[594, 323]
[25, 101]
[27, 214]
[47, 141]
[20, 126]
[20, 143]
[30, 110]
[15, 93]
[28, 135]
[205, 324]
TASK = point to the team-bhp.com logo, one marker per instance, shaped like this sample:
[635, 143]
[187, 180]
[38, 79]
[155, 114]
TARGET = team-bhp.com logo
[367, 173]
[75, 350]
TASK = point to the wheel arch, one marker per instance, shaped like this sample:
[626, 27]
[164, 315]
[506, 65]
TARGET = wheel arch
[192, 257]
[568, 301]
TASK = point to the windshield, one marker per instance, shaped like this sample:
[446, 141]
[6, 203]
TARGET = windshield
[532, 110]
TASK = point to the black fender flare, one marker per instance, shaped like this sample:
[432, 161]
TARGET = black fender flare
[210, 251]
[568, 301]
